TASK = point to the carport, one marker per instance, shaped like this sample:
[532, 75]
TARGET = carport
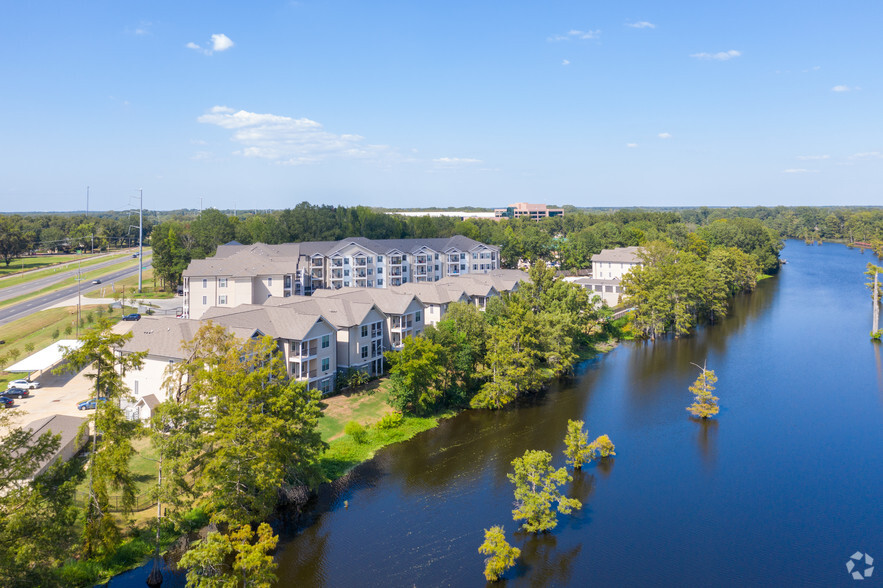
[45, 359]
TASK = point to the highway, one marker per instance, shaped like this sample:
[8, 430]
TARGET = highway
[23, 309]
[68, 271]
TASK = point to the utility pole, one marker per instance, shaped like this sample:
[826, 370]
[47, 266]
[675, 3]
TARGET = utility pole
[140, 236]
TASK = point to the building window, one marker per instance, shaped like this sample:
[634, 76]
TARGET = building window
[269, 282]
[370, 259]
[436, 256]
[475, 266]
[222, 300]
[205, 300]
[326, 363]
[204, 283]
[417, 316]
[379, 271]
[364, 351]
[364, 330]
[475, 256]
[222, 282]
[326, 341]
[379, 281]
[463, 267]
[370, 271]
[379, 259]
[462, 256]
[346, 272]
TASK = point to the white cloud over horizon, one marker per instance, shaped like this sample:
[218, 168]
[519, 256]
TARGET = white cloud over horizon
[664, 135]
[842, 88]
[565, 62]
[219, 42]
[631, 145]
[641, 25]
[813, 157]
[286, 140]
[800, 170]
[456, 160]
[719, 56]
[867, 155]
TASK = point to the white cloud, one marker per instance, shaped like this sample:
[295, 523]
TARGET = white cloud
[719, 56]
[867, 155]
[813, 157]
[219, 42]
[143, 28]
[641, 25]
[565, 62]
[841, 89]
[576, 34]
[456, 160]
[631, 145]
[664, 135]
[286, 140]
[800, 170]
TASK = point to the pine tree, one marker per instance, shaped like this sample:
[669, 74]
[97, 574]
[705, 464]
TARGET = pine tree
[501, 555]
[705, 404]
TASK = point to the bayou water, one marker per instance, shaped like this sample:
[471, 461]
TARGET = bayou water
[780, 489]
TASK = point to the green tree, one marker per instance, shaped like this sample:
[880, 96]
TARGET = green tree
[501, 555]
[415, 374]
[37, 526]
[576, 445]
[705, 403]
[357, 431]
[536, 489]
[603, 447]
[113, 433]
[12, 239]
[239, 559]
[250, 430]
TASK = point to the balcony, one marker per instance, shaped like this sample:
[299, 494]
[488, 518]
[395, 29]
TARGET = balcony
[360, 272]
[395, 271]
[395, 260]
[336, 274]
[337, 262]
[317, 273]
[360, 262]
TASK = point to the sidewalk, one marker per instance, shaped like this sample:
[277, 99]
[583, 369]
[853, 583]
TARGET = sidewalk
[166, 304]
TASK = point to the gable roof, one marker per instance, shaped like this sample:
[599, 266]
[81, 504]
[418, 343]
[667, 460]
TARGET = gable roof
[433, 292]
[162, 336]
[618, 255]
[388, 301]
[337, 311]
[277, 322]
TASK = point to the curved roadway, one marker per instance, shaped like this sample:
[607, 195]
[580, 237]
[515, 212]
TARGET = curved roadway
[22, 309]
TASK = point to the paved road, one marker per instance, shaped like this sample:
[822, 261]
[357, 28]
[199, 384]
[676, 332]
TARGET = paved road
[22, 309]
[69, 271]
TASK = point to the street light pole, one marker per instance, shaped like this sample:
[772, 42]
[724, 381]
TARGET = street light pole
[140, 237]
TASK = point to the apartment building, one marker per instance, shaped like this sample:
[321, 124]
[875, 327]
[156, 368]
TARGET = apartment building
[526, 210]
[359, 325]
[405, 312]
[608, 269]
[249, 274]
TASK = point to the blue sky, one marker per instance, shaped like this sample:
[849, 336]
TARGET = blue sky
[268, 104]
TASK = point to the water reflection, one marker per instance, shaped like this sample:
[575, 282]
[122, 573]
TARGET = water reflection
[546, 560]
[706, 439]
[877, 345]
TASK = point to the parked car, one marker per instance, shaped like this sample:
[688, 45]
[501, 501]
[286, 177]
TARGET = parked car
[96, 281]
[132, 317]
[134, 255]
[17, 393]
[6, 402]
[91, 403]
[24, 384]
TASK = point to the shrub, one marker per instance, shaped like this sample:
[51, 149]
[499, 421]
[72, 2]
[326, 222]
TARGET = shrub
[358, 433]
[56, 334]
[390, 421]
[68, 330]
[29, 347]
[90, 318]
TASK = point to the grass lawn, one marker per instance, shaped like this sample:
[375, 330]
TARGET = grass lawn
[39, 329]
[148, 291]
[30, 276]
[366, 405]
[35, 262]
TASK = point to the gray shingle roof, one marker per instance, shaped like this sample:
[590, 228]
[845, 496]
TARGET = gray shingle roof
[275, 321]
[340, 313]
[433, 293]
[162, 336]
[389, 301]
[618, 255]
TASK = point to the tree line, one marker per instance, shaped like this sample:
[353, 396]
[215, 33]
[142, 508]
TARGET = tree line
[487, 359]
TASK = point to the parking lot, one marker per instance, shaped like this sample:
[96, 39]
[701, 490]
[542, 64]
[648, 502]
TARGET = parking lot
[58, 393]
